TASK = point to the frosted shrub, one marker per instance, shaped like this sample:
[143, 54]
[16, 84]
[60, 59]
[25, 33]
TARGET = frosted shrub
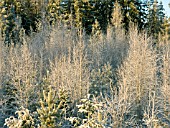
[24, 120]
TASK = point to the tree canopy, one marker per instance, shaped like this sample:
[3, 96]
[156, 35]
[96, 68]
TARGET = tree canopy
[17, 15]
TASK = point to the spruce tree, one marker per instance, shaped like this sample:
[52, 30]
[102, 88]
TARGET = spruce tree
[9, 19]
[132, 11]
[53, 11]
[84, 13]
[78, 14]
[103, 13]
[165, 31]
[155, 18]
[30, 14]
[117, 18]
[88, 15]
[16, 15]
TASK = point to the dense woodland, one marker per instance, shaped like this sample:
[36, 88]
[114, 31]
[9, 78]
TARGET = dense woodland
[30, 15]
[84, 64]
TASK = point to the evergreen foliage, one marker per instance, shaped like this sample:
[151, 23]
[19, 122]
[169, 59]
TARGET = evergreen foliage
[101, 81]
[117, 18]
[53, 11]
[48, 110]
[10, 22]
[24, 120]
[88, 107]
[28, 14]
[132, 11]
[29, 11]
[16, 15]
[155, 18]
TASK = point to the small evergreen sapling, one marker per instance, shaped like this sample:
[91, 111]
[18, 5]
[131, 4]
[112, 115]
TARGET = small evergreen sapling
[47, 112]
[24, 120]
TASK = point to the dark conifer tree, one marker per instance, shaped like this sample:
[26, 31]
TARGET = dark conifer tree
[133, 11]
[155, 18]
[10, 21]
[30, 14]
[16, 15]
[53, 11]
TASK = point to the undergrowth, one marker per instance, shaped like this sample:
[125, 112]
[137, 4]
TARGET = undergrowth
[64, 78]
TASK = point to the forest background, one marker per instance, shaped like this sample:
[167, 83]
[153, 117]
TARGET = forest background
[84, 63]
[27, 15]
